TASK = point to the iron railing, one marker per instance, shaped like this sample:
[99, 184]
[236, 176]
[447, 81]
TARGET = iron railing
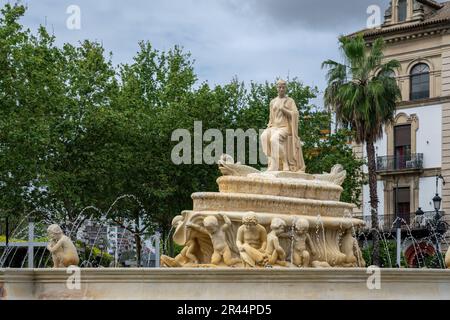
[411, 221]
[411, 161]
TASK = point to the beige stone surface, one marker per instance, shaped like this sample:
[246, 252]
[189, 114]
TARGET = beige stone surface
[325, 233]
[63, 251]
[447, 258]
[253, 204]
[238, 284]
[446, 158]
[251, 241]
[211, 201]
[266, 184]
[280, 141]
[285, 197]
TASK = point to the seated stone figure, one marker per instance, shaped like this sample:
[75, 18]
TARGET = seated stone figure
[221, 248]
[251, 241]
[302, 244]
[64, 253]
[187, 255]
[276, 253]
[185, 258]
[447, 258]
[280, 141]
[350, 248]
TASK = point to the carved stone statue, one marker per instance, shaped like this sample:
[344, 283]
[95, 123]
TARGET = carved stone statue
[337, 175]
[276, 253]
[447, 258]
[64, 253]
[251, 241]
[302, 244]
[217, 234]
[186, 256]
[228, 167]
[280, 141]
[350, 247]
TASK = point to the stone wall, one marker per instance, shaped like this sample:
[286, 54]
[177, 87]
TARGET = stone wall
[236, 284]
[446, 129]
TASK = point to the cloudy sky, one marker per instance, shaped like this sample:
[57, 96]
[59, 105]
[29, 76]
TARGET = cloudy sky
[252, 39]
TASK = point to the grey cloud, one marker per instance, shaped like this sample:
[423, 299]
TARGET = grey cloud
[313, 14]
[255, 39]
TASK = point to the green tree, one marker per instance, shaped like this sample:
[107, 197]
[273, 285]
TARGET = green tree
[82, 139]
[30, 91]
[363, 96]
[47, 95]
[154, 90]
[89, 85]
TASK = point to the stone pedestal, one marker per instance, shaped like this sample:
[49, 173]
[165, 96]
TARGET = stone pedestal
[228, 284]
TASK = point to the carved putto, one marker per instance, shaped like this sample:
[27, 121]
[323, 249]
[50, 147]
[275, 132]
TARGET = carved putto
[274, 250]
[303, 245]
[251, 241]
[211, 227]
[63, 251]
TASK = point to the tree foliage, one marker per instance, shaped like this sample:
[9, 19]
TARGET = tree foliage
[83, 139]
[363, 94]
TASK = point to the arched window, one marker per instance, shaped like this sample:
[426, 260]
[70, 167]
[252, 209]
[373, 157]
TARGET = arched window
[402, 10]
[387, 74]
[420, 82]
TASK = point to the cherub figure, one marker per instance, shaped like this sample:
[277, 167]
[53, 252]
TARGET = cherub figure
[251, 241]
[276, 253]
[302, 242]
[350, 248]
[64, 253]
[187, 255]
[221, 248]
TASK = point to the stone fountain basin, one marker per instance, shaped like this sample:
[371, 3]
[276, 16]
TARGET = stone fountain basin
[214, 201]
[217, 283]
[284, 187]
[326, 233]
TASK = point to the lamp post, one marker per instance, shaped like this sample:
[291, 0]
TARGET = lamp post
[437, 201]
[30, 242]
[398, 226]
[437, 206]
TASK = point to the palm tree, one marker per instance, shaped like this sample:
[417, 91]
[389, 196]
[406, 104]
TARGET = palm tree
[363, 94]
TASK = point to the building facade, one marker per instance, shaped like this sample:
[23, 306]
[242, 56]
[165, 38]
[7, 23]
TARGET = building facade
[413, 156]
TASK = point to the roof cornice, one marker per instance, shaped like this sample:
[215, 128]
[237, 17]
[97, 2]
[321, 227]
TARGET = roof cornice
[401, 31]
[431, 3]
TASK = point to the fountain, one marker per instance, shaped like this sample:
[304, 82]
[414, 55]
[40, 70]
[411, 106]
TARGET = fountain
[280, 233]
[289, 196]
[254, 199]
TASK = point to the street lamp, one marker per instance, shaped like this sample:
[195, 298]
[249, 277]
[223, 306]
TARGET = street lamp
[437, 201]
[398, 226]
[419, 212]
[437, 205]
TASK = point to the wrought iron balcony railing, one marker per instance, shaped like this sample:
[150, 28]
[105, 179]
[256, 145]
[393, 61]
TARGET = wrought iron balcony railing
[406, 221]
[413, 161]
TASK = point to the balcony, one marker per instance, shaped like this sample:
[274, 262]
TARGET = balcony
[391, 164]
